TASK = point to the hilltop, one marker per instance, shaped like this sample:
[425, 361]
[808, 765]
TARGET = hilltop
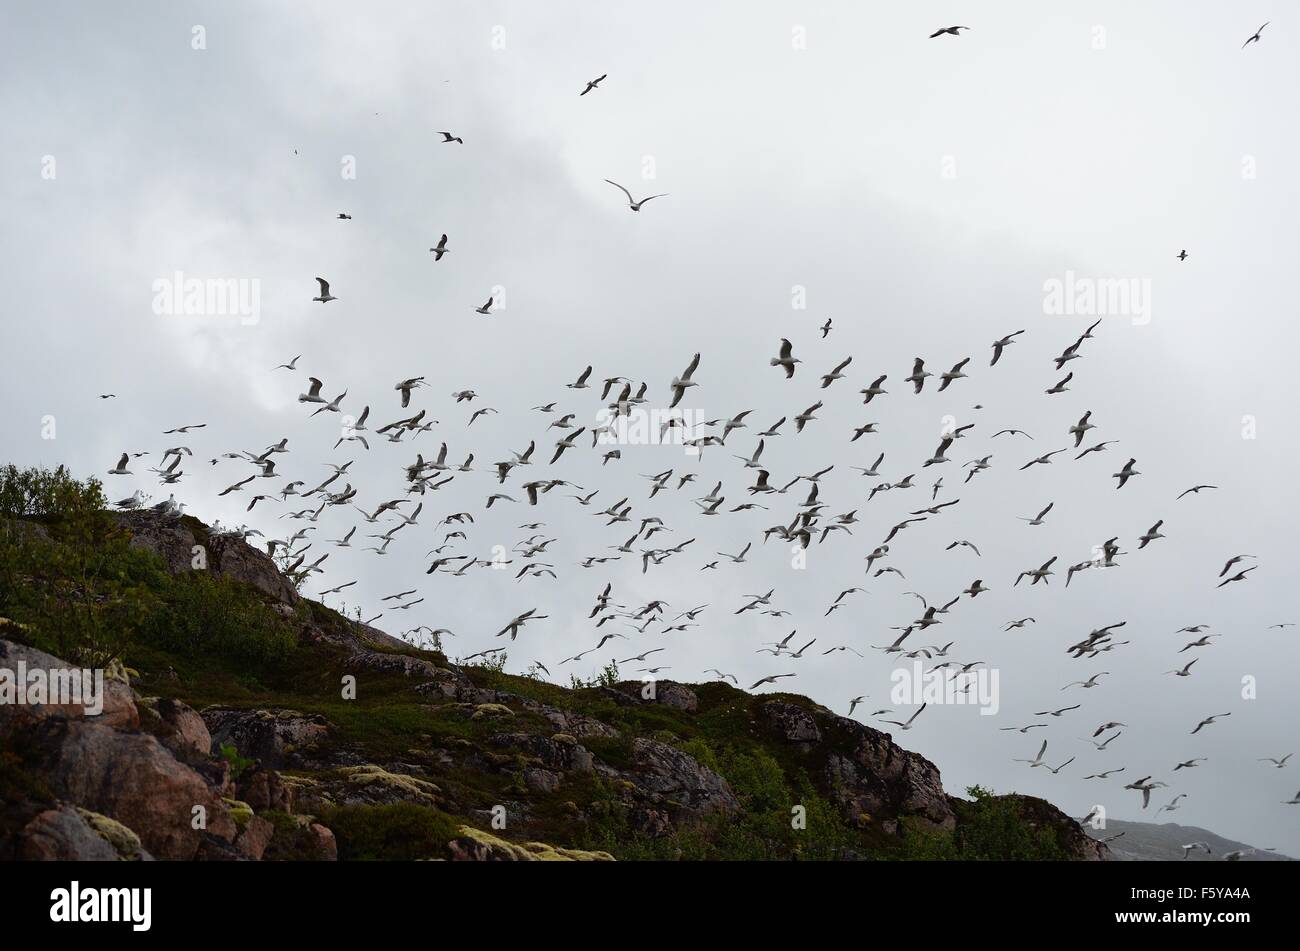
[304, 734]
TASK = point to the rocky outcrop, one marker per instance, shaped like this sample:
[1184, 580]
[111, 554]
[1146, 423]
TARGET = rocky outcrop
[276, 738]
[226, 556]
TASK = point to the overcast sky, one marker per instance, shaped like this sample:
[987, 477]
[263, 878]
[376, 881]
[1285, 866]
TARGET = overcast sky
[919, 193]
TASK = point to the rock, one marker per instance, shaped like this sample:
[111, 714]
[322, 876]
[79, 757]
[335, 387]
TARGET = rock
[263, 789]
[667, 777]
[372, 785]
[67, 833]
[793, 723]
[119, 709]
[874, 778]
[327, 847]
[555, 755]
[273, 737]
[666, 692]
[131, 778]
[183, 731]
[254, 838]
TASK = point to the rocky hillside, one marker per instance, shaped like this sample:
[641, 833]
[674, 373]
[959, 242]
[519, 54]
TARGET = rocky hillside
[245, 722]
[1164, 841]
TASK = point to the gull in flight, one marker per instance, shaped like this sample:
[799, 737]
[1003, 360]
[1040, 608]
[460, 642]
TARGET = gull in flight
[1182, 255]
[919, 373]
[1194, 490]
[954, 30]
[1038, 758]
[324, 296]
[448, 137]
[769, 680]
[632, 203]
[1277, 763]
[1207, 721]
[785, 360]
[954, 374]
[121, 467]
[1254, 38]
[441, 249]
[836, 374]
[592, 84]
[679, 384]
[1239, 576]
[1125, 474]
[486, 309]
[1037, 519]
[291, 365]
[911, 719]
[874, 390]
[1002, 344]
[1151, 535]
[1146, 787]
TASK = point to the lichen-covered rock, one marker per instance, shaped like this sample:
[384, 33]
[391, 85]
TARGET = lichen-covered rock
[557, 755]
[475, 845]
[117, 701]
[374, 785]
[129, 777]
[667, 777]
[273, 737]
[67, 833]
[792, 723]
[484, 711]
[666, 692]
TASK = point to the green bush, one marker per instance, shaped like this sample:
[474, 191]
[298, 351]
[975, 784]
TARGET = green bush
[399, 832]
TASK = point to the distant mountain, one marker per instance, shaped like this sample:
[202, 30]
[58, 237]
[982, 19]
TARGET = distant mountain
[1153, 842]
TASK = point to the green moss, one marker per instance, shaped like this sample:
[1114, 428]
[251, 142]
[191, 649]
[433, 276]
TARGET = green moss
[399, 832]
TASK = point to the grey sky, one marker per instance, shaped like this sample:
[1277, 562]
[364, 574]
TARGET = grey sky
[920, 191]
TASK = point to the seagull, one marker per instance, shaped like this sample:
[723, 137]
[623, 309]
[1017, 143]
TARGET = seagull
[1038, 758]
[1194, 490]
[448, 137]
[1186, 671]
[1182, 255]
[1277, 763]
[1003, 343]
[592, 84]
[1207, 721]
[954, 30]
[325, 296]
[1194, 846]
[121, 467]
[954, 374]
[769, 680]
[1043, 460]
[1125, 474]
[441, 249]
[486, 309]
[874, 390]
[632, 203]
[1239, 576]
[1061, 386]
[1254, 38]
[1038, 574]
[908, 724]
[1081, 427]
[680, 384]
[785, 360]
[1151, 535]
[291, 365]
[1145, 786]
[919, 373]
[836, 374]
[1037, 519]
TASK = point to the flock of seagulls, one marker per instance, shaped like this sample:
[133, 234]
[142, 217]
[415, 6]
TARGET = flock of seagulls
[587, 412]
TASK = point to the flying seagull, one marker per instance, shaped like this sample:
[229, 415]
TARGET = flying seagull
[632, 203]
[325, 296]
[593, 84]
[951, 29]
[1254, 38]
